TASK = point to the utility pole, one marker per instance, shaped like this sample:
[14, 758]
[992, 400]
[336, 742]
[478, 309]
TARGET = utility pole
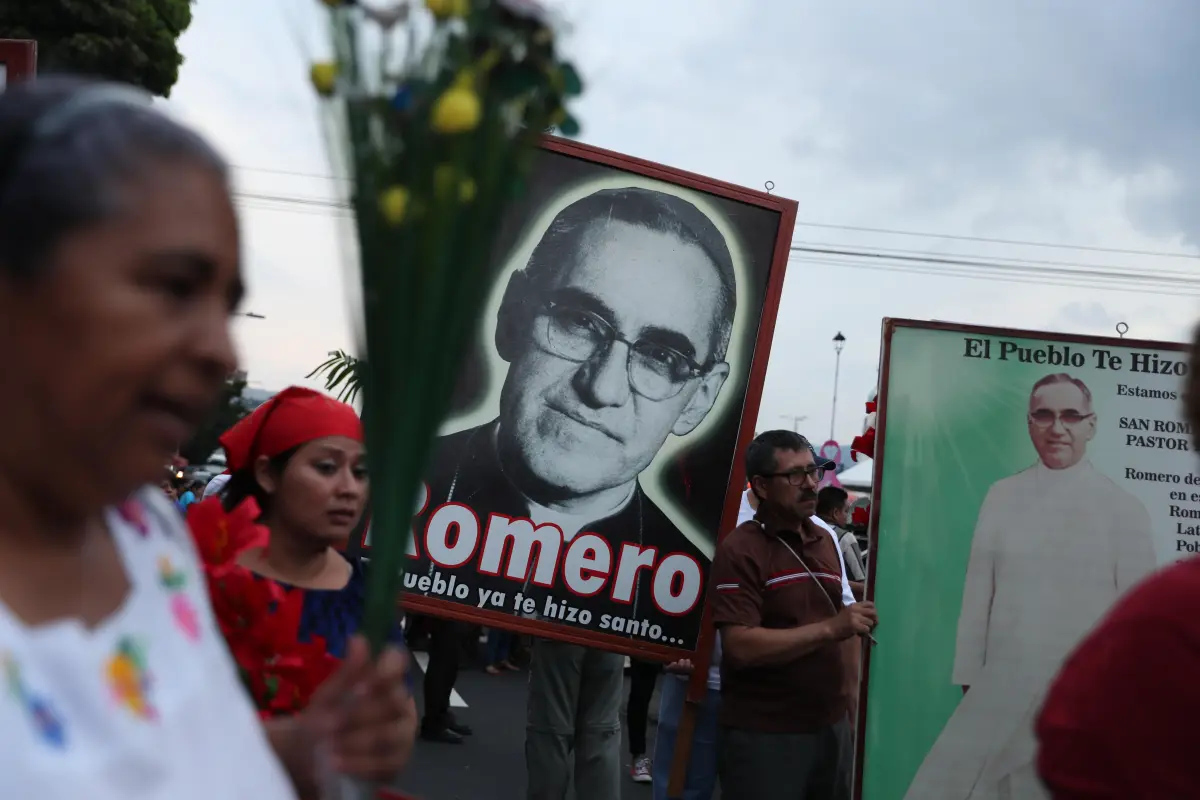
[796, 420]
[839, 342]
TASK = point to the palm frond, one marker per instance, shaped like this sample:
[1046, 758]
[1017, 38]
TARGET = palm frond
[343, 375]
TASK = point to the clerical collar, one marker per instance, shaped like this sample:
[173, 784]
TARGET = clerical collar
[1053, 476]
[569, 522]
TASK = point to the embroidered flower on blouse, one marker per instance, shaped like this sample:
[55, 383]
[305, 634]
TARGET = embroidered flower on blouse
[46, 720]
[185, 616]
[134, 514]
[129, 679]
[183, 611]
[172, 579]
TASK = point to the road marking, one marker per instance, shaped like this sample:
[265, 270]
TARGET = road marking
[456, 700]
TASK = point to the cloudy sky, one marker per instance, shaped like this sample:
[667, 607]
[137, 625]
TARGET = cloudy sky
[1047, 121]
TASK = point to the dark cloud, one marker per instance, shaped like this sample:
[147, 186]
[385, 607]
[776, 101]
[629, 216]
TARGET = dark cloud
[954, 94]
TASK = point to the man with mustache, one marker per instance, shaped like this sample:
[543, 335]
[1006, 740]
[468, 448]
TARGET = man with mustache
[615, 333]
[779, 604]
[1055, 545]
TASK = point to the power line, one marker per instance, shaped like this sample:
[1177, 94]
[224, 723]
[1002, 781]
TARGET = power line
[293, 173]
[1110, 274]
[1000, 277]
[1007, 259]
[857, 228]
[989, 240]
[311, 202]
[888, 259]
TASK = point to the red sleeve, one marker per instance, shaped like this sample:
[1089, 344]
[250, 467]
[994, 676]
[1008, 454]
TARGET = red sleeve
[1118, 721]
[737, 586]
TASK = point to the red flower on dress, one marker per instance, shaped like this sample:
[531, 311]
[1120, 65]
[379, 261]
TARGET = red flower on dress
[221, 536]
[259, 619]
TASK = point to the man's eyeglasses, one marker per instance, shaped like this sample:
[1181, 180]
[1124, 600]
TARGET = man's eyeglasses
[1045, 418]
[797, 477]
[656, 372]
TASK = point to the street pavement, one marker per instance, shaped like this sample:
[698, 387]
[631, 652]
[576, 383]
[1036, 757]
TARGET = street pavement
[490, 765]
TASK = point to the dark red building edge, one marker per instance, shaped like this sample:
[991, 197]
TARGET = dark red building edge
[754, 386]
[19, 57]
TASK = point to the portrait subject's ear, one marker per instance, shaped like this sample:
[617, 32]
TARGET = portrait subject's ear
[263, 474]
[702, 401]
[513, 316]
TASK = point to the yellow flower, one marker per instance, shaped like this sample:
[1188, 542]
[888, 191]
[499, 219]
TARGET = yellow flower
[446, 182]
[445, 9]
[324, 76]
[458, 110]
[393, 204]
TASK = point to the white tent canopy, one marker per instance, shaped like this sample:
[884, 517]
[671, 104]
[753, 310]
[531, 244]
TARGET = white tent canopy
[858, 476]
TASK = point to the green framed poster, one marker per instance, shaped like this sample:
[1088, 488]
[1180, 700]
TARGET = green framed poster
[1023, 482]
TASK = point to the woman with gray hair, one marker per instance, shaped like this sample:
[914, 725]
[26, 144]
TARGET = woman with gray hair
[119, 269]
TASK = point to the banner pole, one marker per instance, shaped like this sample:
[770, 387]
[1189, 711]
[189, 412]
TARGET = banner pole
[697, 691]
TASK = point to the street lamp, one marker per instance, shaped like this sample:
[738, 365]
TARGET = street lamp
[839, 342]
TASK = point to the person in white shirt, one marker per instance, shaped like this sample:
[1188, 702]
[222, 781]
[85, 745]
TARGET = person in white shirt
[1023, 608]
[119, 268]
[833, 507]
[214, 487]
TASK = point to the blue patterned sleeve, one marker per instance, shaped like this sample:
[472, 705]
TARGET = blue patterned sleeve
[335, 616]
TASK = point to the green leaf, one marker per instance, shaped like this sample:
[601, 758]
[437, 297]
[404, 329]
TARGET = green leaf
[572, 85]
[569, 126]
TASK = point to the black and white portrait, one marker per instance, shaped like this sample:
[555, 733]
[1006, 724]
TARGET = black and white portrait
[579, 479]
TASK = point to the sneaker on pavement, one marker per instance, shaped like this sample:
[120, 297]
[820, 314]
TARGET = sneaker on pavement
[639, 771]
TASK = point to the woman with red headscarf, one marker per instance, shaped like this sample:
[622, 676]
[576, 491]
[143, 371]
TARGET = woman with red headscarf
[282, 590]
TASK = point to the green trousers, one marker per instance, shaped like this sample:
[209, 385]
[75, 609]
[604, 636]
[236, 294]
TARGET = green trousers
[574, 722]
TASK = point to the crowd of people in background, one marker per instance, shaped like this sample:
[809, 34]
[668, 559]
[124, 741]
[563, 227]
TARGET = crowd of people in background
[838, 549]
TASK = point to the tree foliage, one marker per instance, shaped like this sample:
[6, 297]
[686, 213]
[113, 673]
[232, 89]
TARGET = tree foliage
[231, 409]
[132, 41]
[343, 374]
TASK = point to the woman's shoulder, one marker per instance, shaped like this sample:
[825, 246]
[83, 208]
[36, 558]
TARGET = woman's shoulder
[155, 516]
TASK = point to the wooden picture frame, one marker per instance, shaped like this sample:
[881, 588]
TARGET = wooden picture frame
[757, 340]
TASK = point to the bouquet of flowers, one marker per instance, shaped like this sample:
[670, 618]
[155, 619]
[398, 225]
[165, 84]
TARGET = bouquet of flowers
[438, 110]
[259, 619]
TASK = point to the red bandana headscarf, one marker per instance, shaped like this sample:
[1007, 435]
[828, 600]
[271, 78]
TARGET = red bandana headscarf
[291, 418]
